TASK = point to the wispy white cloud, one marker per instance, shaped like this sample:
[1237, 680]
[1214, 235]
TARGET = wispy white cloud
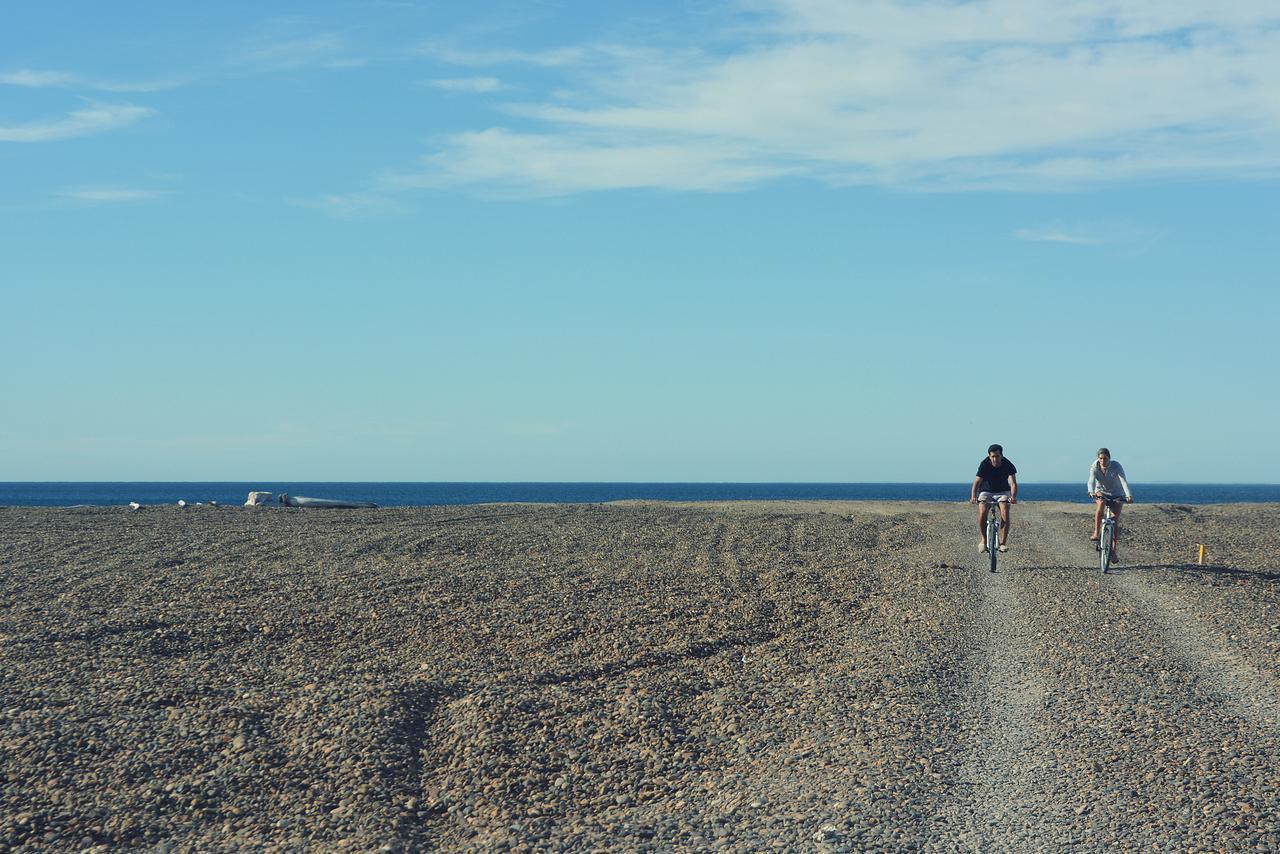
[538, 165]
[110, 195]
[38, 79]
[361, 205]
[45, 79]
[1098, 233]
[926, 94]
[554, 58]
[1030, 21]
[477, 85]
[96, 118]
[1057, 234]
[324, 50]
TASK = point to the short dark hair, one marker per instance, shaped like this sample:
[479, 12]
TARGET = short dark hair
[1102, 451]
[996, 448]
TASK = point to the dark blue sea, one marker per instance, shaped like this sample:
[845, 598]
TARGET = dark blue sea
[418, 494]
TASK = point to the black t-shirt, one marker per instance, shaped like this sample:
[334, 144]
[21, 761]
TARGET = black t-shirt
[996, 479]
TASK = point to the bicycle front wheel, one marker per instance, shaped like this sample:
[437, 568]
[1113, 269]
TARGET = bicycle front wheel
[993, 540]
[1104, 553]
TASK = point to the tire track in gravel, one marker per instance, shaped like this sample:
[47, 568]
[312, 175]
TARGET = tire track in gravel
[1246, 691]
[1153, 754]
[1052, 808]
[759, 604]
[1001, 798]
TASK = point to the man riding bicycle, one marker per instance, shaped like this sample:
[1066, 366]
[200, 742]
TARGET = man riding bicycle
[997, 481]
[1106, 476]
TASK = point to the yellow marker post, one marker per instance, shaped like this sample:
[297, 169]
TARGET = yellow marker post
[1200, 560]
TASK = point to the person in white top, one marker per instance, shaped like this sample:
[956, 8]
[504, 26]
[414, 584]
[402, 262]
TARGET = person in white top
[1106, 476]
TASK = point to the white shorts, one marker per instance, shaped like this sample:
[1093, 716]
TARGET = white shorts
[993, 496]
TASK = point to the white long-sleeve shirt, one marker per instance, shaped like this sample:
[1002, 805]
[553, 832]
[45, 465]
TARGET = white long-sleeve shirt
[1111, 481]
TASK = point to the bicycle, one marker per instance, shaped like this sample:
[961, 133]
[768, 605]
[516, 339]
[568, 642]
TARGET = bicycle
[1110, 531]
[993, 529]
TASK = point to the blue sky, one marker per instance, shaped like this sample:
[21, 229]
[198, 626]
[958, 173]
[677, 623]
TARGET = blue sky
[770, 240]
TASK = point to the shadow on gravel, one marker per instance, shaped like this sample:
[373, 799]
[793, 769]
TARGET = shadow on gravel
[696, 651]
[1229, 571]
[1129, 568]
[93, 634]
[1210, 570]
[414, 708]
[1134, 568]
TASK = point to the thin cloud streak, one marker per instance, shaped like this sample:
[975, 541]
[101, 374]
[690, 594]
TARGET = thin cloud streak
[98, 118]
[1090, 233]
[932, 95]
[353, 206]
[563, 57]
[930, 23]
[475, 85]
[532, 165]
[46, 79]
[319, 51]
[38, 79]
[1055, 235]
[110, 195]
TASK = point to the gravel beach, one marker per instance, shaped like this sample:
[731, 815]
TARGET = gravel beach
[840, 676]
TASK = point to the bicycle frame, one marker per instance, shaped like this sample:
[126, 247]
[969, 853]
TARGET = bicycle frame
[1109, 533]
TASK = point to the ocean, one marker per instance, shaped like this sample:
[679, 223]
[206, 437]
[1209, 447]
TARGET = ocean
[65, 494]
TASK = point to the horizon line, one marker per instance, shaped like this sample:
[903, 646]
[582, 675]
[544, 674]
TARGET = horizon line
[667, 482]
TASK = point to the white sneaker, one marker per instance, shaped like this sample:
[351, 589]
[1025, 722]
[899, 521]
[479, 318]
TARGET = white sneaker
[982, 548]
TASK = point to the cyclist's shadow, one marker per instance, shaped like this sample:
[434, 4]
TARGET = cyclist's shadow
[1062, 567]
[1127, 568]
[1218, 570]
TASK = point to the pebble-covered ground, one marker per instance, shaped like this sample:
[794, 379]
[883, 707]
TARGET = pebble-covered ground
[820, 676]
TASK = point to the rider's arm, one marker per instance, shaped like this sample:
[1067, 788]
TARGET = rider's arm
[1091, 485]
[1013, 489]
[1124, 481]
[973, 490]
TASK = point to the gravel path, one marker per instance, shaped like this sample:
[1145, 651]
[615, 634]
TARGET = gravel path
[1244, 690]
[1000, 797]
[743, 676]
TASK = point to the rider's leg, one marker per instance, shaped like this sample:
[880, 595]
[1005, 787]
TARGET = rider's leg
[1004, 522]
[982, 521]
[1097, 519]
